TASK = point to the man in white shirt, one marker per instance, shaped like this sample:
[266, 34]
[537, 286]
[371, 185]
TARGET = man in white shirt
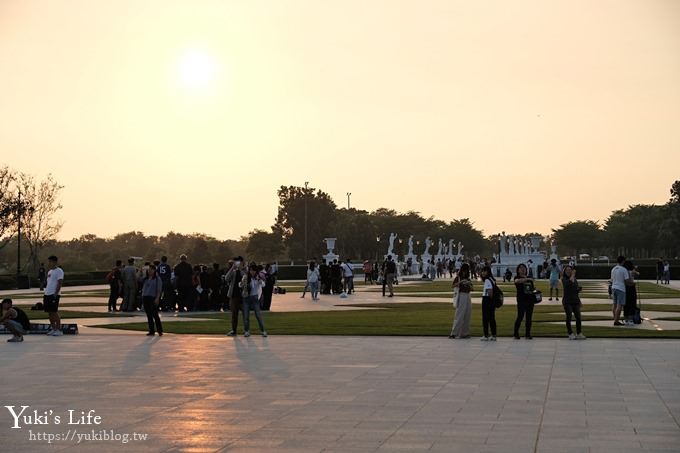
[348, 274]
[55, 278]
[619, 276]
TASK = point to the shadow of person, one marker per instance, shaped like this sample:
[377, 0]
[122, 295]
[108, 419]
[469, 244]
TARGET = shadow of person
[259, 361]
[138, 356]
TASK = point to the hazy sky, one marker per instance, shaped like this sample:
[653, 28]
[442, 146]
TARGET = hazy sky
[188, 115]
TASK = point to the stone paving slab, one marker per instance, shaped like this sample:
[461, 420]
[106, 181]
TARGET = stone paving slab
[345, 394]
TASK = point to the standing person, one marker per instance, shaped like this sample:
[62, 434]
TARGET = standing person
[313, 280]
[232, 279]
[42, 275]
[164, 271]
[115, 280]
[152, 288]
[336, 277]
[215, 287]
[129, 274]
[488, 307]
[348, 274]
[659, 271]
[15, 320]
[462, 286]
[55, 279]
[525, 300]
[368, 272]
[268, 288]
[251, 290]
[571, 302]
[667, 272]
[619, 275]
[390, 274]
[631, 294]
[183, 280]
[554, 274]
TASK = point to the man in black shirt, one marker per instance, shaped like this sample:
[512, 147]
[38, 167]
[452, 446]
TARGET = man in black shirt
[168, 295]
[15, 320]
[183, 279]
[115, 280]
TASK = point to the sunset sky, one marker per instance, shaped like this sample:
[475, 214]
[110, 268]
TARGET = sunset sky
[161, 115]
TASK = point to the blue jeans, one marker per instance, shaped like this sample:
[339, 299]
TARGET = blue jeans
[252, 303]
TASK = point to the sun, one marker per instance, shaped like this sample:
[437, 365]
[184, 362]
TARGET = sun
[197, 69]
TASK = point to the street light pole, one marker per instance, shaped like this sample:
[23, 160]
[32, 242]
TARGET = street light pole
[306, 185]
[18, 238]
[348, 195]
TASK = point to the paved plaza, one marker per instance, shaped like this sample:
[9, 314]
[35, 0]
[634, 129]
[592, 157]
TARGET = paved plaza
[343, 394]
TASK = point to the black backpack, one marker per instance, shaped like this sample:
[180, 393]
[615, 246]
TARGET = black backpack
[497, 296]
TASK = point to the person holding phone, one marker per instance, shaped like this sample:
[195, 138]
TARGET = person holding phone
[488, 307]
[152, 288]
[462, 286]
[571, 302]
[525, 300]
[251, 290]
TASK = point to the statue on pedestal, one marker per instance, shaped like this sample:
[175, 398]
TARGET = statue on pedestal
[450, 246]
[428, 244]
[439, 250]
[410, 245]
[504, 243]
[511, 241]
[460, 248]
[390, 250]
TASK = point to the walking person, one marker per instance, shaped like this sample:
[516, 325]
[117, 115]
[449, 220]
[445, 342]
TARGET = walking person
[152, 288]
[348, 277]
[55, 279]
[313, 280]
[525, 300]
[554, 274]
[462, 286]
[619, 275]
[390, 274]
[571, 302]
[488, 306]
[251, 290]
[115, 280]
[232, 279]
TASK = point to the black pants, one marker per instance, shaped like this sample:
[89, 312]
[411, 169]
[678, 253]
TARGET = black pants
[168, 296]
[235, 304]
[266, 301]
[488, 316]
[113, 298]
[576, 310]
[152, 316]
[631, 302]
[186, 295]
[524, 308]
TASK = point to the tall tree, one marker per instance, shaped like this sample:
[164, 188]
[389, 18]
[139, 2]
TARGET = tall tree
[9, 205]
[263, 246]
[290, 221]
[37, 219]
[579, 236]
[635, 231]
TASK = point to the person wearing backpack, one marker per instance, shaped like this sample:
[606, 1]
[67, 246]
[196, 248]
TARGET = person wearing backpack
[488, 306]
[525, 300]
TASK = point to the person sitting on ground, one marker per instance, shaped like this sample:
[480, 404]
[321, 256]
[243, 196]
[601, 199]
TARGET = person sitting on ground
[15, 320]
[507, 277]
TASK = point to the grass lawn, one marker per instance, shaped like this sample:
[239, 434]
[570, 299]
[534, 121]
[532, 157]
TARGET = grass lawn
[426, 319]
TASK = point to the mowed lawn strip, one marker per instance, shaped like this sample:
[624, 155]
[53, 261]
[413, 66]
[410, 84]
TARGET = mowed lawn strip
[425, 319]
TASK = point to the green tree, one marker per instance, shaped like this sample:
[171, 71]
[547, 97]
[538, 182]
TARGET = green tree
[263, 246]
[579, 236]
[635, 231]
[9, 205]
[290, 221]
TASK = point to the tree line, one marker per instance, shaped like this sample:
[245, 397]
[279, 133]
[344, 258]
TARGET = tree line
[305, 217]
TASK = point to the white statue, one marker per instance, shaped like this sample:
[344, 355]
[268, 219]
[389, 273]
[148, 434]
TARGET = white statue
[504, 244]
[410, 245]
[446, 250]
[511, 241]
[439, 250]
[428, 244]
[450, 246]
[390, 250]
[460, 248]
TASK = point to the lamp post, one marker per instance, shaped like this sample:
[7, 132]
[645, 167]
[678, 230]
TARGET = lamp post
[348, 195]
[377, 250]
[18, 238]
[306, 185]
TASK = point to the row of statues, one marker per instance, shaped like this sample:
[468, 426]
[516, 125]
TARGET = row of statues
[443, 249]
[515, 246]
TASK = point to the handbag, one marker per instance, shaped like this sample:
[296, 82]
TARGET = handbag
[538, 297]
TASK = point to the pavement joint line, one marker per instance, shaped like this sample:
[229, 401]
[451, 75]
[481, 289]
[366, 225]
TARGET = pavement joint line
[545, 398]
[651, 383]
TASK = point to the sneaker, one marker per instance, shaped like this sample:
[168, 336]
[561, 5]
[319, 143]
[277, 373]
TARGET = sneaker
[557, 299]
[492, 339]
[451, 337]
[572, 336]
[57, 333]
[246, 334]
[581, 337]
[516, 337]
[630, 323]
[231, 333]
[550, 298]
[264, 333]
[15, 339]
[484, 339]
[49, 332]
[529, 337]
[618, 323]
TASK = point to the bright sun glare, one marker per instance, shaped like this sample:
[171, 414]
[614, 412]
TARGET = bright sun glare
[197, 69]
